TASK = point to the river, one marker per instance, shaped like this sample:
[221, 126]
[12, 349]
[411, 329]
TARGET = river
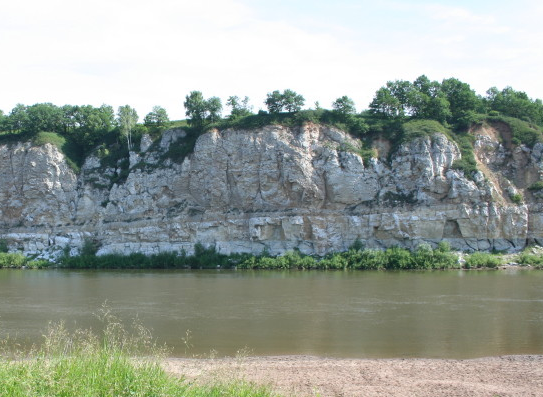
[359, 314]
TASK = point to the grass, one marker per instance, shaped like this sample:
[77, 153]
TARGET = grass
[480, 260]
[17, 260]
[357, 258]
[116, 363]
[522, 131]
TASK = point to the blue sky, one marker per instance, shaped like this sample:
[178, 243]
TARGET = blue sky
[146, 53]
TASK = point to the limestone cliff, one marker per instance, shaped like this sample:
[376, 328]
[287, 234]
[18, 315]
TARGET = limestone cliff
[274, 187]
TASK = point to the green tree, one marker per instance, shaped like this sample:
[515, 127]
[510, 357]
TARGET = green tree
[515, 104]
[463, 101]
[195, 109]
[213, 109]
[200, 111]
[292, 102]
[127, 118]
[289, 101]
[43, 117]
[157, 118]
[239, 108]
[386, 105]
[274, 102]
[344, 105]
[4, 124]
[92, 124]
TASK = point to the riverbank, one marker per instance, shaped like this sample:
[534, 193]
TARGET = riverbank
[328, 377]
[356, 258]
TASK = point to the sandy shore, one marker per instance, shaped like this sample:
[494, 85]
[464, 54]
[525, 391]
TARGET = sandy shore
[325, 377]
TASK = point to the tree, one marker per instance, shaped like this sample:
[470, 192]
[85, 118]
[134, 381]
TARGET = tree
[201, 111]
[462, 99]
[127, 119]
[36, 118]
[4, 125]
[344, 105]
[213, 109]
[515, 104]
[292, 102]
[288, 101]
[386, 105]
[239, 108]
[274, 102]
[195, 108]
[158, 117]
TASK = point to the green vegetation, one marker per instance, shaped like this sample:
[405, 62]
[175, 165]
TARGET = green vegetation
[537, 186]
[467, 163]
[17, 260]
[531, 256]
[522, 131]
[420, 128]
[482, 260]
[424, 257]
[287, 101]
[117, 363]
[3, 246]
[400, 111]
[516, 198]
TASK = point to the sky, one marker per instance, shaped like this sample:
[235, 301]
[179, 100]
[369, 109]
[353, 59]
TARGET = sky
[147, 53]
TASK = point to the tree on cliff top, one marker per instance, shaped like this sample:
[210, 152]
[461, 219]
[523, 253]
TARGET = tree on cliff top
[289, 101]
[127, 119]
[201, 111]
[157, 118]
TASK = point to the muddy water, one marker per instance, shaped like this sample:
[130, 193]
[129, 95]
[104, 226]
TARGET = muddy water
[451, 314]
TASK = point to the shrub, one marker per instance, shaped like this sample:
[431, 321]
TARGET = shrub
[398, 258]
[482, 259]
[522, 132]
[516, 198]
[526, 258]
[12, 260]
[421, 128]
[537, 186]
[3, 246]
[467, 163]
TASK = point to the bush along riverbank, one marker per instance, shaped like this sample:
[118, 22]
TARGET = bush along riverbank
[17, 260]
[117, 363]
[356, 258]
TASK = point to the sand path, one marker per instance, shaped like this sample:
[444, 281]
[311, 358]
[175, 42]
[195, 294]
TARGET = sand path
[325, 377]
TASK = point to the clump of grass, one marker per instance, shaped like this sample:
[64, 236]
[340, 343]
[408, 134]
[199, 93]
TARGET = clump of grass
[17, 260]
[532, 259]
[482, 260]
[116, 363]
[394, 258]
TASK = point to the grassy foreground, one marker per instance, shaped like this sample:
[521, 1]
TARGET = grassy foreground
[116, 363]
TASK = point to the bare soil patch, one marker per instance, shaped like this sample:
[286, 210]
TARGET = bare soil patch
[327, 377]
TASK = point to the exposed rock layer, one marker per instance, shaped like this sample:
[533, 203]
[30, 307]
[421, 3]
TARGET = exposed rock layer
[276, 188]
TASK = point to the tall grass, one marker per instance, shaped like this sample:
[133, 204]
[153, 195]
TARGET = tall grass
[18, 260]
[114, 363]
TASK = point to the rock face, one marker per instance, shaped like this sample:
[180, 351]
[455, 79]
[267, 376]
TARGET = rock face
[275, 187]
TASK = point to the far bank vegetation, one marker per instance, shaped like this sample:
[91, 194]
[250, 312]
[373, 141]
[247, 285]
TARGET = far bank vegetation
[400, 110]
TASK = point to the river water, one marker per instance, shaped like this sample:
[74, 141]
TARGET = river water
[362, 314]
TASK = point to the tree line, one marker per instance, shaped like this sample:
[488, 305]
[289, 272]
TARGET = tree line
[450, 102]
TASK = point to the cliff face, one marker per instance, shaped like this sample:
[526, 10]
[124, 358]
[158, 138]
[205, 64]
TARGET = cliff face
[276, 188]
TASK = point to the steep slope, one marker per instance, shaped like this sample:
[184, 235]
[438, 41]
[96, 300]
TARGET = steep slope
[274, 187]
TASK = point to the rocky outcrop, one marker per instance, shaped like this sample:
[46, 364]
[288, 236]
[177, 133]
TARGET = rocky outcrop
[273, 188]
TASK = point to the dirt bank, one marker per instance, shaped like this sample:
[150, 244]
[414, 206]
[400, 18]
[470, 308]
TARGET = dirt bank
[325, 377]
